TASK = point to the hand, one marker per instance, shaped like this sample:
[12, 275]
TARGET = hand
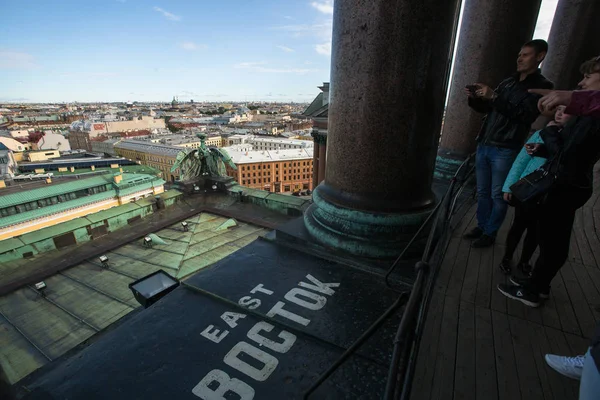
[552, 99]
[532, 148]
[484, 91]
[508, 197]
[469, 93]
[553, 123]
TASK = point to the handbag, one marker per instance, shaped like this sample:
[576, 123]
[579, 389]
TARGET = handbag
[533, 186]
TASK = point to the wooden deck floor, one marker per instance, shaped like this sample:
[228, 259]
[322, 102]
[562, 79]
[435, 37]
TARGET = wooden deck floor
[479, 345]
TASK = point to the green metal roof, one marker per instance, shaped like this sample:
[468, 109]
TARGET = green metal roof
[9, 244]
[133, 169]
[55, 230]
[170, 194]
[111, 212]
[27, 196]
[56, 208]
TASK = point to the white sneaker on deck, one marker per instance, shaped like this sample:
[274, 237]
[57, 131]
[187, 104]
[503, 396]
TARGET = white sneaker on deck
[567, 366]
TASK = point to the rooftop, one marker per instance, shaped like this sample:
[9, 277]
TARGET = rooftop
[152, 148]
[255, 156]
[87, 298]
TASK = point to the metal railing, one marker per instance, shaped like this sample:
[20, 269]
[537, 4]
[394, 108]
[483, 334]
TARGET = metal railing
[407, 337]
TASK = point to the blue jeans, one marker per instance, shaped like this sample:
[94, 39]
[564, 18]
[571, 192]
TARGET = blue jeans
[492, 167]
[589, 388]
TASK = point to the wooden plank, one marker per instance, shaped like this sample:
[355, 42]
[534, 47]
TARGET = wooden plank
[574, 254]
[540, 346]
[506, 366]
[454, 287]
[562, 387]
[447, 264]
[485, 282]
[590, 232]
[549, 313]
[467, 222]
[578, 344]
[584, 315]
[464, 377]
[469, 284]
[427, 356]
[588, 288]
[529, 382]
[594, 274]
[486, 385]
[562, 302]
[498, 301]
[587, 257]
[443, 384]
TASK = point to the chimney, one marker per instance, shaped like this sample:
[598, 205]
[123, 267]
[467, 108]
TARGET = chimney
[48, 180]
[117, 178]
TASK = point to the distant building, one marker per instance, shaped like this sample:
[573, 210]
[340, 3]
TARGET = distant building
[8, 165]
[105, 146]
[261, 143]
[155, 155]
[82, 132]
[279, 171]
[23, 211]
[42, 155]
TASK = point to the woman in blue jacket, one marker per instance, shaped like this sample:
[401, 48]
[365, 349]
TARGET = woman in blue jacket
[525, 214]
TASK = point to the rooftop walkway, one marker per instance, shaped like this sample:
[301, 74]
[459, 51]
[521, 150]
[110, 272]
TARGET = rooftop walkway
[477, 344]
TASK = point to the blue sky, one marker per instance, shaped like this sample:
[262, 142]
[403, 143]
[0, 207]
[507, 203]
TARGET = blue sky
[127, 50]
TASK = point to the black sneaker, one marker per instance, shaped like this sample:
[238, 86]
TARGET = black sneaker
[474, 233]
[525, 268]
[520, 294]
[544, 294]
[505, 266]
[483, 241]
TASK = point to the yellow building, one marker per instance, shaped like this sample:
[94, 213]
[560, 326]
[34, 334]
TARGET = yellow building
[155, 155]
[24, 211]
[41, 155]
[282, 171]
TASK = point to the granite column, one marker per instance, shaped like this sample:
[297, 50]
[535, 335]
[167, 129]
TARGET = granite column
[389, 70]
[491, 35]
[573, 39]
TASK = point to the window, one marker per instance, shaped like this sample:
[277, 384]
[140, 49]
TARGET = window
[255, 181]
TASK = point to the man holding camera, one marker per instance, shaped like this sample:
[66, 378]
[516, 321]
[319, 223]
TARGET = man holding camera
[510, 110]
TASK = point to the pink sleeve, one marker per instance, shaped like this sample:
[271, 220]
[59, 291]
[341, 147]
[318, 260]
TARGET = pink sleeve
[585, 103]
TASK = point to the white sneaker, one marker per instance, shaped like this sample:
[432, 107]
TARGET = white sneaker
[567, 366]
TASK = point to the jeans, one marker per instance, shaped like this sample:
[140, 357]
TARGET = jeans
[589, 388]
[492, 167]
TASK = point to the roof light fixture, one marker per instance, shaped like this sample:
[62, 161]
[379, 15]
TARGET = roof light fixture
[151, 288]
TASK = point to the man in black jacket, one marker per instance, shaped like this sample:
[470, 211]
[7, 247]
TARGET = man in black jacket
[510, 110]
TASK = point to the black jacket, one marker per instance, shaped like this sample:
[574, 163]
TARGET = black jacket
[510, 115]
[579, 142]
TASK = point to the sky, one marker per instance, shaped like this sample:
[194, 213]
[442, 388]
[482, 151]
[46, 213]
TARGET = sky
[152, 50]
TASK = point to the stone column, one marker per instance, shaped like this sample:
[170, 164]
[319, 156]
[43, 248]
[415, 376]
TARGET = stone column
[322, 162]
[315, 164]
[574, 38]
[491, 35]
[389, 69]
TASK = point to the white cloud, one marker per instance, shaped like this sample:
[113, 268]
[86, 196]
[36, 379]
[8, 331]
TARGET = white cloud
[192, 46]
[324, 6]
[286, 49]
[16, 60]
[167, 14]
[261, 67]
[323, 48]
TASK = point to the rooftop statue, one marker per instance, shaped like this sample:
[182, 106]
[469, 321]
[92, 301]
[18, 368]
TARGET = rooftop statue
[201, 162]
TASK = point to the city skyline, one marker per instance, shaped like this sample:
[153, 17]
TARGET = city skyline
[130, 50]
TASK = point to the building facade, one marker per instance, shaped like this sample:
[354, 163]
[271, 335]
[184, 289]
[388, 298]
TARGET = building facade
[155, 155]
[283, 171]
[25, 211]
